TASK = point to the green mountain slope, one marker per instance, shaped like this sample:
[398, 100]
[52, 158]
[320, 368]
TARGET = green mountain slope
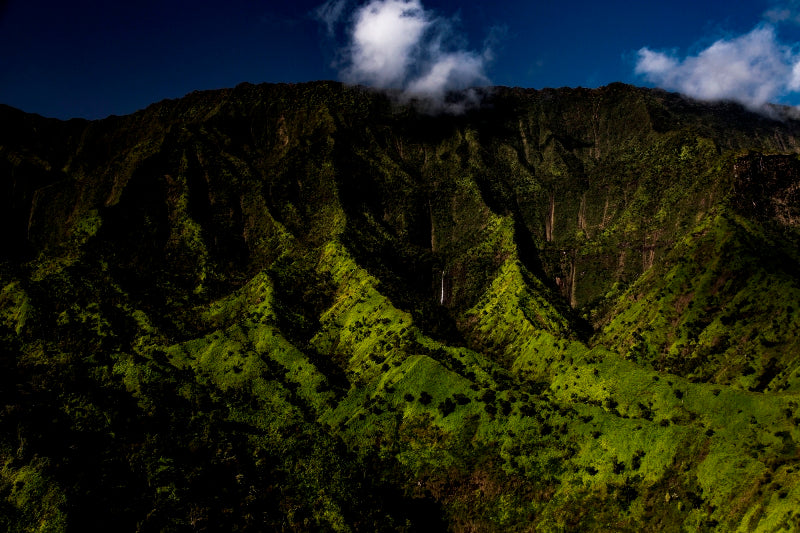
[306, 307]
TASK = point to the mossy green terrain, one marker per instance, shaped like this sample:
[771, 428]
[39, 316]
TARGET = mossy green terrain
[310, 308]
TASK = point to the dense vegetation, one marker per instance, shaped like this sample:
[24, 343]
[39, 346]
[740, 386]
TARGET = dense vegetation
[310, 308]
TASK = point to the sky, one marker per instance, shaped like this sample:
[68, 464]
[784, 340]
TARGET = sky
[92, 58]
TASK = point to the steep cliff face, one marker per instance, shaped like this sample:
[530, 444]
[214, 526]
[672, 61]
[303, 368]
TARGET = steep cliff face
[601, 178]
[766, 188]
[559, 296]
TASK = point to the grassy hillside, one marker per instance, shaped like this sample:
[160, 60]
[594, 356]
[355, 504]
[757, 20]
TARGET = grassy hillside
[309, 308]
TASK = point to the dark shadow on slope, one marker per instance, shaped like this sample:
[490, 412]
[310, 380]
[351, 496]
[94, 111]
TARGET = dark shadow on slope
[404, 264]
[135, 231]
[20, 185]
[424, 514]
[215, 204]
[301, 295]
[134, 241]
[406, 275]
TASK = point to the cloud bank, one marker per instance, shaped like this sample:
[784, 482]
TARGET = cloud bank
[398, 44]
[754, 69]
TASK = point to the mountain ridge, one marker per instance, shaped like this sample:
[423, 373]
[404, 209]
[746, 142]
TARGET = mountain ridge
[356, 315]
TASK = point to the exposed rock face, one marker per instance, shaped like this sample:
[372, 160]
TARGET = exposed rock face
[768, 187]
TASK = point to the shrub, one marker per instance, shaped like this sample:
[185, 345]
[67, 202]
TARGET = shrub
[447, 406]
[461, 398]
[425, 398]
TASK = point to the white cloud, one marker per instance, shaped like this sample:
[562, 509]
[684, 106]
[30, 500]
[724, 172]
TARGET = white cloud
[778, 15]
[385, 41]
[787, 11]
[655, 63]
[454, 71]
[398, 44]
[753, 69]
[794, 82]
[330, 13]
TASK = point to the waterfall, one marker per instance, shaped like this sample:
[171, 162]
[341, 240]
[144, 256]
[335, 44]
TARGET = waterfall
[441, 299]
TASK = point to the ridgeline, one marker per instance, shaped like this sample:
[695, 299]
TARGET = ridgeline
[311, 308]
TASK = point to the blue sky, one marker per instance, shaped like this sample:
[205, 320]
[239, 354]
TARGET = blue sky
[92, 58]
